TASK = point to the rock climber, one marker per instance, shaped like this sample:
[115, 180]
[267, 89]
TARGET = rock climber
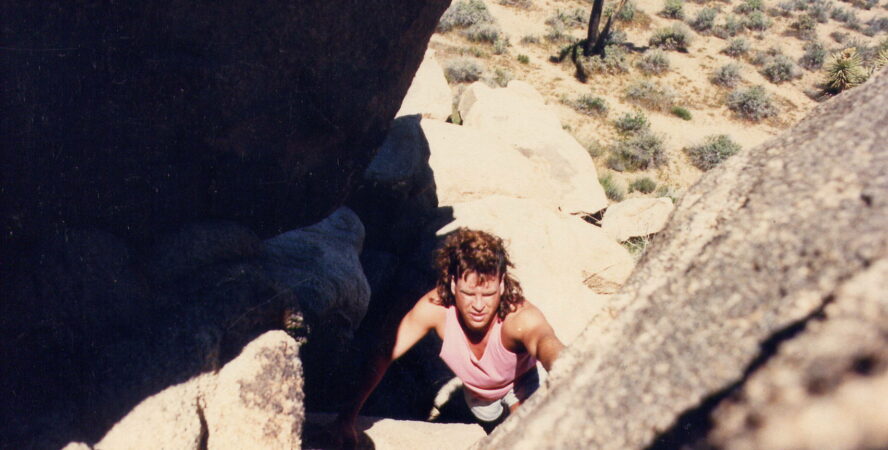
[492, 337]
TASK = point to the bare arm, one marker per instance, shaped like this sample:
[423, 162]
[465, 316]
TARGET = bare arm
[532, 330]
[423, 317]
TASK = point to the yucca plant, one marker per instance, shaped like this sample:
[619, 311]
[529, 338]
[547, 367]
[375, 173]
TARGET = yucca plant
[881, 60]
[844, 71]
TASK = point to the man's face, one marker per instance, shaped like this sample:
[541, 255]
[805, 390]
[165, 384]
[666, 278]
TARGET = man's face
[477, 300]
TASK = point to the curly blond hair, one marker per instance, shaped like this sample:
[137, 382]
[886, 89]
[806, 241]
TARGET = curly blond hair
[467, 250]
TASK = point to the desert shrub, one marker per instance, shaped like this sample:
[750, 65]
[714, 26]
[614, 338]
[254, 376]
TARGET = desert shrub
[633, 122]
[530, 39]
[639, 151]
[749, 6]
[568, 18]
[814, 56]
[784, 9]
[704, 20]
[760, 58]
[501, 45]
[727, 75]
[616, 37]
[523, 59]
[613, 62]
[757, 21]
[848, 17]
[654, 62]
[805, 27]
[876, 25]
[590, 105]
[681, 112]
[463, 70]
[501, 77]
[594, 148]
[729, 28]
[839, 36]
[673, 9]
[558, 33]
[676, 37]
[626, 13]
[644, 185]
[523, 4]
[881, 60]
[612, 190]
[650, 95]
[844, 71]
[819, 11]
[781, 68]
[464, 14]
[737, 47]
[483, 32]
[712, 151]
[752, 103]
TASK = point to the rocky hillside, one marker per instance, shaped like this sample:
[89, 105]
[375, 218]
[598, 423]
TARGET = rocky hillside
[652, 97]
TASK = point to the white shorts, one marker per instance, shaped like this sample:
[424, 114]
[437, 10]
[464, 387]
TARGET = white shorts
[491, 410]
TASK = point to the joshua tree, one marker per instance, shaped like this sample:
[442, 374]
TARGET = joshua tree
[594, 44]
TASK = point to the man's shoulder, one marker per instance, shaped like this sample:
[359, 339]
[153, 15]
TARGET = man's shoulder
[526, 315]
[430, 308]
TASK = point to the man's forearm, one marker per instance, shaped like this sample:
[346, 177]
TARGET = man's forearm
[369, 376]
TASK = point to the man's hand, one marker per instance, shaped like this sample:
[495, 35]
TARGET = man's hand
[343, 434]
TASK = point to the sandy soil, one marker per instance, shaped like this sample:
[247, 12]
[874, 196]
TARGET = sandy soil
[688, 76]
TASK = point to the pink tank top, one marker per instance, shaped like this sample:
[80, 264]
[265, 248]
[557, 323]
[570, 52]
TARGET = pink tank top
[493, 375]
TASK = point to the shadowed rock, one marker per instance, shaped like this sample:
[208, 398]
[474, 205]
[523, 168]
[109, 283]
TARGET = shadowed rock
[771, 265]
[137, 117]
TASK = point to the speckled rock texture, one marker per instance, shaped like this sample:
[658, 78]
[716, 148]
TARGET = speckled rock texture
[254, 401]
[765, 294]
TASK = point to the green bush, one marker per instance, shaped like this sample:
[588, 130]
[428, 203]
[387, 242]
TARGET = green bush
[634, 122]
[729, 28]
[654, 62]
[613, 62]
[650, 95]
[757, 21]
[752, 103]
[839, 36]
[815, 55]
[501, 45]
[501, 77]
[530, 39]
[568, 18]
[626, 13]
[780, 69]
[639, 151]
[749, 6]
[612, 190]
[673, 9]
[523, 59]
[805, 27]
[712, 151]
[737, 47]
[463, 70]
[676, 37]
[523, 4]
[844, 71]
[590, 105]
[819, 11]
[644, 185]
[681, 112]
[727, 75]
[463, 14]
[704, 20]
[483, 32]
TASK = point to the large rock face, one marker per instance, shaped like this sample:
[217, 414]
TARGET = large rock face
[765, 295]
[139, 117]
[148, 150]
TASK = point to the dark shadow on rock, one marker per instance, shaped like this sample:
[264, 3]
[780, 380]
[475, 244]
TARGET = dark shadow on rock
[398, 205]
[91, 327]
